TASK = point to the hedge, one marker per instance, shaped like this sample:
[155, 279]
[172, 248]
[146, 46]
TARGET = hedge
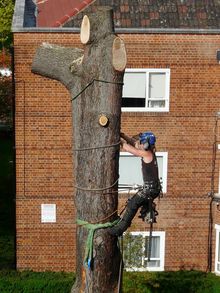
[133, 282]
[171, 282]
[32, 282]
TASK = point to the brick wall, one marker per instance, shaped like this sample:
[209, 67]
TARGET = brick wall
[44, 141]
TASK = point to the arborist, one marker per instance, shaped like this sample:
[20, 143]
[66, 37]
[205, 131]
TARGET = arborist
[144, 147]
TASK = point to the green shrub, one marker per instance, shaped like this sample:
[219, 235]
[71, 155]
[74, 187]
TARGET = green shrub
[136, 282]
[171, 282]
[32, 282]
[133, 282]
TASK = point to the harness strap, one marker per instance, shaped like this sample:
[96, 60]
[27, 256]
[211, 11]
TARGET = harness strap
[150, 242]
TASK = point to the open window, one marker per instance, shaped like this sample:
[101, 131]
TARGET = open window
[146, 90]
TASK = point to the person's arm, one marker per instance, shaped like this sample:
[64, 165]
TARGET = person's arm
[146, 155]
[129, 139]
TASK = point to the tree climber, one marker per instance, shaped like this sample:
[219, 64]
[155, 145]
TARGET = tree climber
[144, 148]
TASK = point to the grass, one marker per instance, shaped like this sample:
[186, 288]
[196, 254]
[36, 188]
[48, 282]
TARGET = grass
[7, 204]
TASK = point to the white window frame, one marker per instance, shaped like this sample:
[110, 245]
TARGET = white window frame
[48, 213]
[217, 227]
[219, 175]
[167, 90]
[217, 195]
[165, 169]
[160, 234]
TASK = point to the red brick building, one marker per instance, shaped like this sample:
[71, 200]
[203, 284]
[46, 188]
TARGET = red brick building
[171, 87]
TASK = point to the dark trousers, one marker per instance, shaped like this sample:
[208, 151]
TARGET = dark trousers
[142, 199]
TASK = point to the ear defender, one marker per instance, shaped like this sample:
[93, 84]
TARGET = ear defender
[148, 139]
[146, 146]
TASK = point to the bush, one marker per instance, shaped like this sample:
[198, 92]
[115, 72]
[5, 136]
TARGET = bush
[32, 282]
[6, 97]
[171, 282]
[133, 282]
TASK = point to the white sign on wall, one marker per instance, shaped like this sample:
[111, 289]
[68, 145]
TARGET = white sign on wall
[48, 213]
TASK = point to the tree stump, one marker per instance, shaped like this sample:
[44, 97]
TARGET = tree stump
[94, 78]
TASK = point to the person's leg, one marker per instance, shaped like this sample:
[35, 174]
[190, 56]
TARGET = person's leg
[133, 204]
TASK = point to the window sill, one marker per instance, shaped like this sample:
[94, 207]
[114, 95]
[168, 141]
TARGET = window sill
[153, 110]
[216, 197]
[158, 269]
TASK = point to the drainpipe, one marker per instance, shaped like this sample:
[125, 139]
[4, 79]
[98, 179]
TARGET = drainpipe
[14, 149]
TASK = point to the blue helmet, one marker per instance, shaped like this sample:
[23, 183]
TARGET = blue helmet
[147, 137]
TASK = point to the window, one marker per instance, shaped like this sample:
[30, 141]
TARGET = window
[136, 249]
[219, 175]
[217, 249]
[130, 170]
[146, 90]
[48, 213]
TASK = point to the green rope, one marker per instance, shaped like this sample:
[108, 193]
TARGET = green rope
[89, 243]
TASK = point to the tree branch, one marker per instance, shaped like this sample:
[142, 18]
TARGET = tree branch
[55, 62]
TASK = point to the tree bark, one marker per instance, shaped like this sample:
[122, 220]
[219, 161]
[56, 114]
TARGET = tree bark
[54, 61]
[94, 78]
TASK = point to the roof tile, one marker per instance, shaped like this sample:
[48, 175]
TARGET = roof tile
[199, 14]
[52, 13]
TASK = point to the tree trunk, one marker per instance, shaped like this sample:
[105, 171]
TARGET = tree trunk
[94, 78]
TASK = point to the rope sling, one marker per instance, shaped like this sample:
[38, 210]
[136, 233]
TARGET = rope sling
[89, 242]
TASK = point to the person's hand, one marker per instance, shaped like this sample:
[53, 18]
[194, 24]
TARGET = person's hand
[137, 144]
[122, 141]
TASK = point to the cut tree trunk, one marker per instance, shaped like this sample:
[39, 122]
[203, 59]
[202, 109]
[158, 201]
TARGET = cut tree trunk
[94, 78]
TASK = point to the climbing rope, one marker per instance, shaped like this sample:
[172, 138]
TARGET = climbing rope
[97, 189]
[91, 82]
[109, 216]
[150, 242]
[89, 243]
[97, 147]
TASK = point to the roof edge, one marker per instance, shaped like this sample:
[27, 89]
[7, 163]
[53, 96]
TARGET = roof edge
[18, 16]
[166, 31]
[22, 29]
